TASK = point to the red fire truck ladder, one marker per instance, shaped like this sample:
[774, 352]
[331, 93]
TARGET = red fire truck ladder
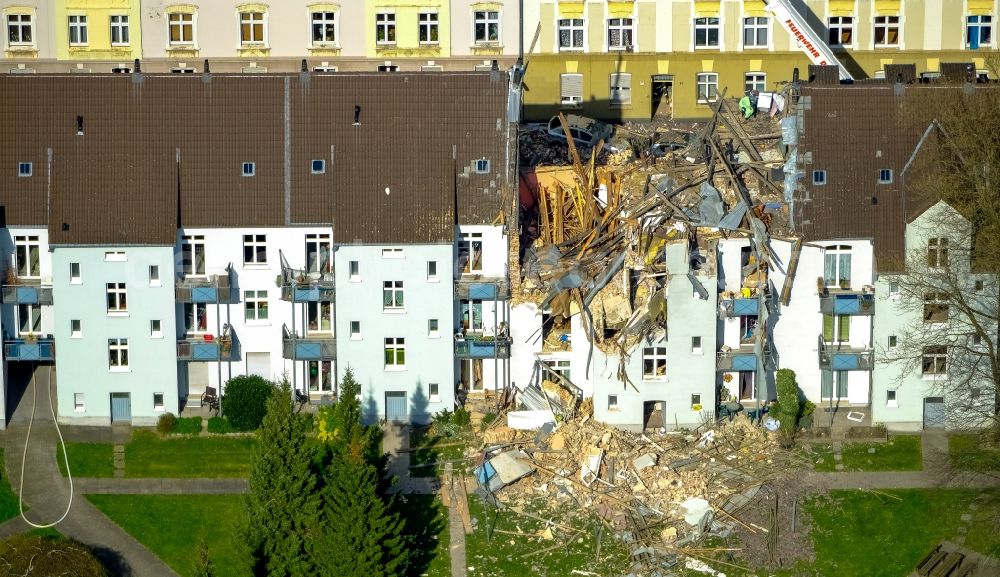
[812, 44]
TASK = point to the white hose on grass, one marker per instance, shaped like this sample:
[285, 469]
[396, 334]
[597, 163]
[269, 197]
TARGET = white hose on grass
[24, 456]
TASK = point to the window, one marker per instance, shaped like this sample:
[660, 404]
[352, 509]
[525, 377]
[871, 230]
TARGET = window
[320, 317]
[392, 294]
[890, 398]
[654, 362]
[570, 34]
[385, 28]
[24, 169]
[195, 318]
[119, 30]
[708, 86]
[935, 307]
[156, 329]
[837, 266]
[181, 28]
[77, 30]
[115, 256]
[571, 89]
[432, 329]
[470, 253]
[755, 32]
[193, 255]
[154, 275]
[255, 305]
[392, 253]
[117, 302]
[696, 401]
[20, 30]
[620, 93]
[386, 68]
[894, 288]
[620, 34]
[819, 177]
[26, 254]
[353, 270]
[428, 27]
[978, 286]
[886, 31]
[74, 273]
[696, 346]
[841, 30]
[157, 401]
[395, 353]
[472, 315]
[827, 379]
[978, 31]
[559, 367]
[612, 402]
[836, 328]
[75, 328]
[977, 339]
[319, 253]
[755, 82]
[29, 319]
[434, 392]
[481, 166]
[935, 360]
[251, 28]
[254, 249]
[249, 168]
[118, 354]
[893, 341]
[78, 402]
[355, 330]
[885, 176]
[706, 32]
[318, 166]
[432, 270]
[324, 27]
[937, 252]
[486, 26]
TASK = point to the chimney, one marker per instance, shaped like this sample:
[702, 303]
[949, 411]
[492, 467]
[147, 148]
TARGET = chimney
[305, 66]
[137, 66]
[205, 67]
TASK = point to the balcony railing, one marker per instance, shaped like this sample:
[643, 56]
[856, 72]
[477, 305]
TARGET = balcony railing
[476, 287]
[307, 348]
[843, 357]
[738, 307]
[27, 292]
[42, 349]
[482, 348]
[302, 286]
[847, 303]
[741, 359]
[214, 289]
[204, 351]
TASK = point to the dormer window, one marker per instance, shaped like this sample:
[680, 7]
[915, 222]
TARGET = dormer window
[249, 169]
[24, 169]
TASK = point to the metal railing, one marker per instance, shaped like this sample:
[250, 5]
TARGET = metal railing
[844, 357]
[301, 285]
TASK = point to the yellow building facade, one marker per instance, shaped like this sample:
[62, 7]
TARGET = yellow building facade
[640, 59]
[89, 30]
[408, 29]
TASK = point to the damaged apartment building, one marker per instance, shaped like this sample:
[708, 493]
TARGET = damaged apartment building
[158, 242]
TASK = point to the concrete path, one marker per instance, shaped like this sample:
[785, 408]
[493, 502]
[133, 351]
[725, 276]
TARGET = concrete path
[116, 486]
[396, 442]
[456, 543]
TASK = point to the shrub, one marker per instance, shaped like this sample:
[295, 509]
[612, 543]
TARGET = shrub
[442, 418]
[188, 426]
[461, 418]
[166, 423]
[45, 555]
[488, 419]
[788, 399]
[245, 401]
[219, 426]
[808, 408]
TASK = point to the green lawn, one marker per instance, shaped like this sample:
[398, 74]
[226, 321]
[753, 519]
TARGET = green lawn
[820, 455]
[8, 499]
[430, 449]
[172, 527]
[968, 453]
[509, 555]
[877, 535]
[901, 453]
[184, 456]
[427, 525]
[87, 459]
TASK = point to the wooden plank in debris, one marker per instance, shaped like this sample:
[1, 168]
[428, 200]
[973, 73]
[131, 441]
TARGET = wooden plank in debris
[462, 500]
[793, 265]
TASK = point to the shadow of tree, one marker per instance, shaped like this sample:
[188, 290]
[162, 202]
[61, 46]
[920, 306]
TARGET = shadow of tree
[424, 518]
[418, 405]
[112, 561]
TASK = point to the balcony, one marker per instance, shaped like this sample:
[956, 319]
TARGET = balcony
[741, 359]
[842, 357]
[27, 292]
[738, 307]
[43, 349]
[309, 347]
[476, 287]
[847, 303]
[202, 350]
[214, 289]
[302, 286]
[482, 348]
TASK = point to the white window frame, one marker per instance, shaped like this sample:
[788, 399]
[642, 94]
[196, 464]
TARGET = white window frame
[119, 26]
[566, 98]
[708, 25]
[33, 314]
[428, 22]
[158, 406]
[193, 314]
[24, 169]
[115, 256]
[625, 27]
[697, 344]
[75, 276]
[619, 92]
[394, 252]
[755, 81]
[432, 271]
[252, 19]
[613, 403]
[75, 329]
[155, 329]
[78, 29]
[434, 392]
[885, 176]
[354, 271]
[982, 22]
[254, 247]
[194, 246]
[315, 244]
[471, 315]
[154, 275]
[118, 355]
[936, 300]
[255, 306]
[486, 19]
[892, 342]
[559, 366]
[891, 398]
[317, 166]
[841, 24]
[835, 252]
[887, 23]
[710, 82]
[249, 169]
[24, 246]
[318, 312]
[355, 329]
[657, 357]
[117, 298]
[576, 29]
[819, 177]
[79, 403]
[20, 22]
[385, 25]
[481, 166]
[183, 22]
[327, 21]
[937, 359]
[937, 252]
[433, 328]
[395, 346]
[755, 27]
[467, 246]
[393, 289]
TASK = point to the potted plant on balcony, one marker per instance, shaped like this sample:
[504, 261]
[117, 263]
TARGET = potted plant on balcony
[820, 285]
[11, 276]
[31, 338]
[225, 343]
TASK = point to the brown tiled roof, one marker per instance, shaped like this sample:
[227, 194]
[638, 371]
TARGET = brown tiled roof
[171, 142]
